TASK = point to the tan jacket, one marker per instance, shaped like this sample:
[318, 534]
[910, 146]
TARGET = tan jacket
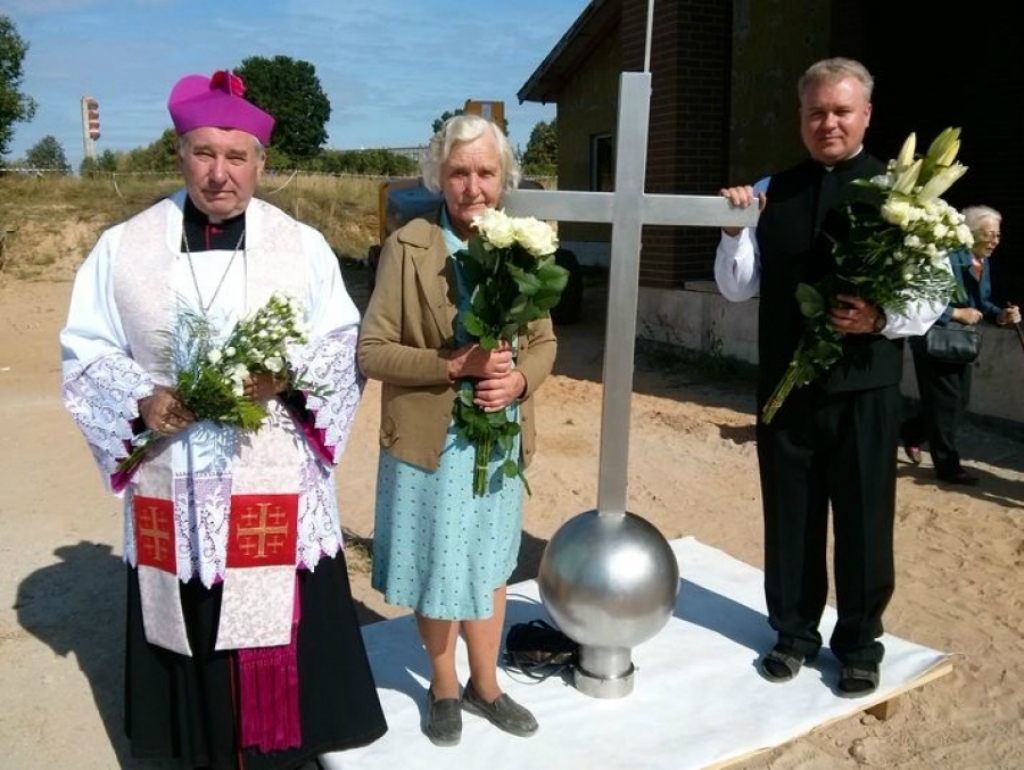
[407, 336]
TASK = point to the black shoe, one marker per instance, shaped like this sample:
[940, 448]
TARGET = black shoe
[444, 721]
[781, 663]
[961, 477]
[858, 679]
[502, 712]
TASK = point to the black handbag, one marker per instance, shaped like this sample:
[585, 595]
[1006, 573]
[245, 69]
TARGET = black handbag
[954, 343]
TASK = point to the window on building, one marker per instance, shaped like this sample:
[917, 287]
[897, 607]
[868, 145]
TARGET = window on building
[602, 163]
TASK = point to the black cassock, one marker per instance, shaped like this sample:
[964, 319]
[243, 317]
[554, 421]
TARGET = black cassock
[833, 443]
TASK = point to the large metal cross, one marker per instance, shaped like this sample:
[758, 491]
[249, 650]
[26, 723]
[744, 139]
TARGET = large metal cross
[628, 209]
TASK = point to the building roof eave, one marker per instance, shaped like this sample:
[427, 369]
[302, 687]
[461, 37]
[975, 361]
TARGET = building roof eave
[594, 23]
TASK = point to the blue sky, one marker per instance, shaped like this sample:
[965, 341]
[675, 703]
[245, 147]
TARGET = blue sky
[389, 67]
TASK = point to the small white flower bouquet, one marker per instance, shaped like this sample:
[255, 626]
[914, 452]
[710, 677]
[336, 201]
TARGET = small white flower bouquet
[893, 255]
[210, 376]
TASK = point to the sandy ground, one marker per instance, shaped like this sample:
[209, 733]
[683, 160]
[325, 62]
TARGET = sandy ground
[960, 552]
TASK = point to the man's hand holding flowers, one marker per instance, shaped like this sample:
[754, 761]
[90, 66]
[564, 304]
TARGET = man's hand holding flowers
[163, 413]
[853, 315]
[228, 384]
[263, 386]
[895, 255]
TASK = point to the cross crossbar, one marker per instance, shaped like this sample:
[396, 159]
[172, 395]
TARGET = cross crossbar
[628, 209]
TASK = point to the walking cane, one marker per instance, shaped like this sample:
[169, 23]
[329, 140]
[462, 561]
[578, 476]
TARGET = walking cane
[1020, 333]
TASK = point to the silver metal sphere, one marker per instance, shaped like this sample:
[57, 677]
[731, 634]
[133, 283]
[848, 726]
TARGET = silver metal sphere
[609, 581]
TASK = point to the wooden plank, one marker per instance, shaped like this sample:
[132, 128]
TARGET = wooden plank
[887, 707]
[882, 711]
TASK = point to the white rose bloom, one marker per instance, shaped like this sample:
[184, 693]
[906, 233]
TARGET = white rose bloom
[214, 357]
[536, 237]
[230, 352]
[496, 228]
[274, 364]
[912, 242]
[896, 212]
[941, 231]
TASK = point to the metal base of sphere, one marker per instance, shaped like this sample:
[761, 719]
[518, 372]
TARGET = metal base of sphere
[609, 581]
[604, 672]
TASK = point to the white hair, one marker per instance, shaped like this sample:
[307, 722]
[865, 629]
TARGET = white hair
[975, 215]
[459, 129]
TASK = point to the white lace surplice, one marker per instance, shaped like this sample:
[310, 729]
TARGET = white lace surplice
[111, 359]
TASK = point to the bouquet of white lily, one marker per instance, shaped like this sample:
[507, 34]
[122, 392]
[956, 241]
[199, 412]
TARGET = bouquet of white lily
[895, 254]
[210, 376]
[510, 268]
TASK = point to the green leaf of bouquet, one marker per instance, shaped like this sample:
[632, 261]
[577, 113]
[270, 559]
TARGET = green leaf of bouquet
[553, 276]
[472, 323]
[519, 305]
[510, 468]
[811, 302]
[526, 282]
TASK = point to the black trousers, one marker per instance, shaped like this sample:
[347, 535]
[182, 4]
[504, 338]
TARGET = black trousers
[945, 392]
[186, 707]
[830, 450]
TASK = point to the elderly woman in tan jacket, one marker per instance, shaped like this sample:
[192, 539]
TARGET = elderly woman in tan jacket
[437, 548]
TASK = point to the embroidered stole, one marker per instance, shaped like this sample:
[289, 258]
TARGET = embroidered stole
[211, 503]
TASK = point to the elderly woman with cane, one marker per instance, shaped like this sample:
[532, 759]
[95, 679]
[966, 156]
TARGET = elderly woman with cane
[945, 387]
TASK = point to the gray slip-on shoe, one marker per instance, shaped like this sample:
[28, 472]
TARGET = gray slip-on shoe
[503, 712]
[444, 721]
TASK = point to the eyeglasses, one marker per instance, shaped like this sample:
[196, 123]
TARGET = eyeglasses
[988, 236]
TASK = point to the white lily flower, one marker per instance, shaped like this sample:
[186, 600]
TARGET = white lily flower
[906, 157]
[908, 178]
[941, 182]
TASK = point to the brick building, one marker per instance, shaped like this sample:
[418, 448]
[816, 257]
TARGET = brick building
[724, 105]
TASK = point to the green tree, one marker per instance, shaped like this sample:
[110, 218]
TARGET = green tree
[15, 107]
[104, 163]
[541, 156]
[438, 122]
[290, 91]
[48, 154]
[161, 155]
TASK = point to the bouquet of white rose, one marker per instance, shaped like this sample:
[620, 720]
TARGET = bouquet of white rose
[210, 376]
[895, 254]
[509, 267]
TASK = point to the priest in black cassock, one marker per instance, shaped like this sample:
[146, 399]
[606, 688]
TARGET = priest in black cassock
[833, 442]
[243, 647]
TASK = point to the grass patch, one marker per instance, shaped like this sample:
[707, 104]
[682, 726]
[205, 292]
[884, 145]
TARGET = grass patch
[51, 222]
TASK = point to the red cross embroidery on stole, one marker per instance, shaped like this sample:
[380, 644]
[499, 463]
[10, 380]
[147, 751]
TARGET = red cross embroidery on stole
[262, 531]
[154, 532]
